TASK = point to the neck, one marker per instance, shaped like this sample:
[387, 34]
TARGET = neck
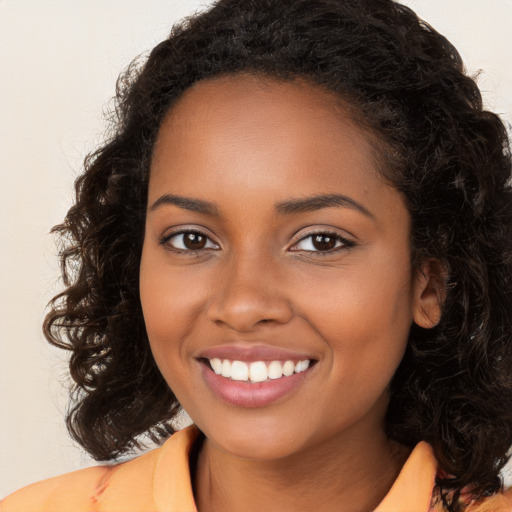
[346, 473]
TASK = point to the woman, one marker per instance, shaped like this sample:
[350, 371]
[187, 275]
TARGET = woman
[300, 232]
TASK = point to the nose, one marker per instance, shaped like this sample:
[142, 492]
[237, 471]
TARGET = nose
[248, 294]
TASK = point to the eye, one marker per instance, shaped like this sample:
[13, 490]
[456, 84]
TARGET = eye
[188, 241]
[322, 242]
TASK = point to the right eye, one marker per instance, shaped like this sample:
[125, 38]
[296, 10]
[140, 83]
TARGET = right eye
[188, 241]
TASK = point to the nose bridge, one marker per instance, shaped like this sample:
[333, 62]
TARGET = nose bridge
[249, 291]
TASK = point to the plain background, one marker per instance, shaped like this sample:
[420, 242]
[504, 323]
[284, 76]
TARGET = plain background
[59, 60]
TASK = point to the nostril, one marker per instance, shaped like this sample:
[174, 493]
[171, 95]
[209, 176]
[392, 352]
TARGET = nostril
[245, 308]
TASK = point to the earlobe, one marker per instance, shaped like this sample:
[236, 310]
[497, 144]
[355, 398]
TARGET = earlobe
[429, 293]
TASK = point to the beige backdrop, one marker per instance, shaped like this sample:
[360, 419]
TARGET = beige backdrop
[58, 63]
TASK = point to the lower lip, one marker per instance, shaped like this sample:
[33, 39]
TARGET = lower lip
[246, 394]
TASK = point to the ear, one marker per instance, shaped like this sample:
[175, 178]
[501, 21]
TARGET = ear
[429, 292]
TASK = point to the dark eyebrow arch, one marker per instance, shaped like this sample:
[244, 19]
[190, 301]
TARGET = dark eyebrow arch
[310, 204]
[187, 203]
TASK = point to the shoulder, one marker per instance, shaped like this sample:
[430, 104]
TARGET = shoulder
[498, 503]
[76, 490]
[147, 483]
[96, 488]
[501, 502]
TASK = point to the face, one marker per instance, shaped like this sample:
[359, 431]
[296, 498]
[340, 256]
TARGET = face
[275, 279]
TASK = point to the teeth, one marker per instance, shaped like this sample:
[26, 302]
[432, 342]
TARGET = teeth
[301, 366]
[275, 370]
[239, 371]
[216, 365]
[226, 368]
[288, 368]
[258, 371]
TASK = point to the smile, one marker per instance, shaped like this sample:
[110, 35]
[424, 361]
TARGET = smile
[254, 375]
[257, 371]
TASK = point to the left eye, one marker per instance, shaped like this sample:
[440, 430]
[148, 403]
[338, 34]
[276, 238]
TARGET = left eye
[190, 241]
[321, 242]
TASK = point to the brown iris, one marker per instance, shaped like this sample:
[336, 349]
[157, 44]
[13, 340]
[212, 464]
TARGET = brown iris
[324, 242]
[194, 241]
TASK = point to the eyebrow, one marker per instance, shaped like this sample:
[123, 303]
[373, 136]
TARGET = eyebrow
[187, 203]
[289, 207]
[310, 204]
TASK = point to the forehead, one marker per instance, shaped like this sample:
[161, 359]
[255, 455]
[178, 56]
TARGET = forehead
[262, 100]
[241, 107]
[266, 138]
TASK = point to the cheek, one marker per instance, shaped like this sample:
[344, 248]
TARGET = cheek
[367, 340]
[169, 304]
[170, 296]
[359, 302]
[364, 315]
[166, 331]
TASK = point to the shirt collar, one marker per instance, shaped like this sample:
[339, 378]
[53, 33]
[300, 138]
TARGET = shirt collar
[172, 486]
[412, 490]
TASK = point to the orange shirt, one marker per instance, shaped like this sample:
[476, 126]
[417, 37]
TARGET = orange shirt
[159, 481]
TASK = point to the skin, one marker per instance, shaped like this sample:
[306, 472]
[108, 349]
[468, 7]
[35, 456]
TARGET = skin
[246, 144]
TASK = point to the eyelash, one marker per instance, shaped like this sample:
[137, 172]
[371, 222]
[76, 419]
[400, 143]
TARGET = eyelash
[344, 244]
[165, 241]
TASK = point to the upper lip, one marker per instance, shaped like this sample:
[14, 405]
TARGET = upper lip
[252, 352]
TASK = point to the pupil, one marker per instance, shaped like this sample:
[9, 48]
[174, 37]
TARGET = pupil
[324, 242]
[194, 241]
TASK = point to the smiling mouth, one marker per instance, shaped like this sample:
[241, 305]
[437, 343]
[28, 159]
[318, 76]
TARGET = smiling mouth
[257, 371]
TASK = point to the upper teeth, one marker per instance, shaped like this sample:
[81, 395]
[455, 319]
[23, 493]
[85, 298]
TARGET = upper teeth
[257, 371]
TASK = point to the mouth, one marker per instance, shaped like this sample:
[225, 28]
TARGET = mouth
[256, 371]
[254, 376]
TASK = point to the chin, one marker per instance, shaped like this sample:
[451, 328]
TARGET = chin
[263, 440]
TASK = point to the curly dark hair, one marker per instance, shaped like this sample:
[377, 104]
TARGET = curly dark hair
[448, 157]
